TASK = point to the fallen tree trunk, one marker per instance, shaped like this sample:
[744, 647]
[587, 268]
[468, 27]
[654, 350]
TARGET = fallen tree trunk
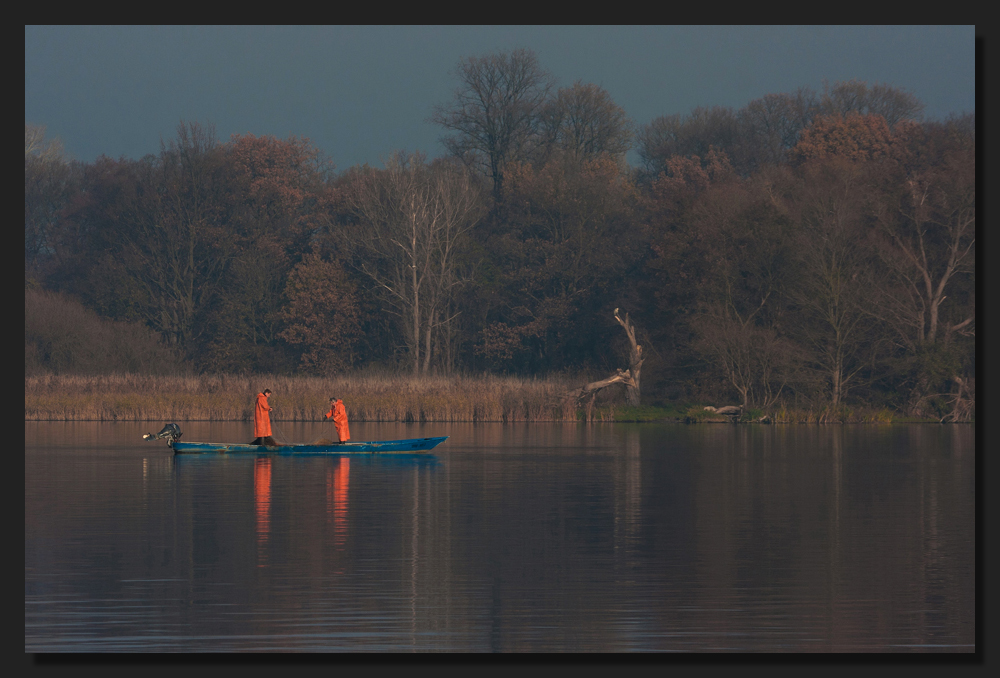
[591, 389]
[728, 409]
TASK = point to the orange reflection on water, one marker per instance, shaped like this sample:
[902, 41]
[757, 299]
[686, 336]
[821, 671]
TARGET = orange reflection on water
[262, 503]
[337, 479]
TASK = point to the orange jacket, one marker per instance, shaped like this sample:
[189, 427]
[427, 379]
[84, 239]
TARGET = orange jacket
[261, 418]
[339, 415]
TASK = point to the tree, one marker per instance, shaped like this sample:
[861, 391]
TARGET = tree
[321, 315]
[560, 265]
[668, 287]
[852, 136]
[160, 226]
[37, 146]
[495, 115]
[636, 358]
[51, 185]
[770, 128]
[754, 359]
[836, 273]
[583, 122]
[927, 224]
[413, 221]
[856, 96]
[744, 241]
[690, 135]
[278, 200]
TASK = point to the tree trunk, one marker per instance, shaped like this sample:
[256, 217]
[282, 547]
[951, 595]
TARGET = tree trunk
[628, 377]
[635, 361]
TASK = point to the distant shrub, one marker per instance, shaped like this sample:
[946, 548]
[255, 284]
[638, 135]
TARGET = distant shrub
[61, 336]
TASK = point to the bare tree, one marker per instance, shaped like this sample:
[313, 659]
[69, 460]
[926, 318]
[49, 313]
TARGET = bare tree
[495, 112]
[755, 360]
[686, 135]
[745, 244]
[413, 218]
[163, 235]
[49, 186]
[928, 239]
[770, 127]
[836, 276]
[584, 122]
[856, 96]
[35, 144]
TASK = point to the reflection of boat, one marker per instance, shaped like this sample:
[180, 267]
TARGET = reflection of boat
[172, 434]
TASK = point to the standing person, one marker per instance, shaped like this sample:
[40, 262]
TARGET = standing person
[262, 420]
[339, 416]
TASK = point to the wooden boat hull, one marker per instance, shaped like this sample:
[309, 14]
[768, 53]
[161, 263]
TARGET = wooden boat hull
[408, 446]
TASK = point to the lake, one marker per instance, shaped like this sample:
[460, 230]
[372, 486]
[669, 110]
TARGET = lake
[510, 538]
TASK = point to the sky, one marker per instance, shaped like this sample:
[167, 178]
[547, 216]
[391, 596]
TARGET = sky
[360, 93]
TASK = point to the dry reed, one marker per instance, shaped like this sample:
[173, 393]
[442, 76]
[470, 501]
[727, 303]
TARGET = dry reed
[368, 397]
[833, 415]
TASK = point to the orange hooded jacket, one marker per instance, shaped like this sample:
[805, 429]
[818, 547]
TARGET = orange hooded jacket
[261, 418]
[339, 415]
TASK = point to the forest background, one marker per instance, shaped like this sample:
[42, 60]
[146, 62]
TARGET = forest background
[812, 250]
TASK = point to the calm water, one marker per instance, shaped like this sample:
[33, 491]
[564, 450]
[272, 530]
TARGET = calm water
[512, 538]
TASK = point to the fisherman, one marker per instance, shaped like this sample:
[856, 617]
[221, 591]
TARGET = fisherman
[262, 420]
[339, 416]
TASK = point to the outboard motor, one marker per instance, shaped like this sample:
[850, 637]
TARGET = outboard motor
[172, 432]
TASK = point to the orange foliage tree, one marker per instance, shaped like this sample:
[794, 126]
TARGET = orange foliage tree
[853, 136]
[321, 315]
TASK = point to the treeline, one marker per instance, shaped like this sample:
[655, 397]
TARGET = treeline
[813, 249]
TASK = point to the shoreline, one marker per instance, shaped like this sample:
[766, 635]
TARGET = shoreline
[381, 398]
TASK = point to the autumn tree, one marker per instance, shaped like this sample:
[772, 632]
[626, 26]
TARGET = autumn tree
[495, 116]
[62, 336]
[279, 199]
[198, 241]
[853, 136]
[668, 286]
[321, 315]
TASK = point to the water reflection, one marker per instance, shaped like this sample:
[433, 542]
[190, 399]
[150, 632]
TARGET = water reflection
[338, 476]
[262, 505]
[513, 538]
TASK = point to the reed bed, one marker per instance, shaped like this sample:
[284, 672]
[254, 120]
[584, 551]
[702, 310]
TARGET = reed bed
[833, 415]
[368, 397]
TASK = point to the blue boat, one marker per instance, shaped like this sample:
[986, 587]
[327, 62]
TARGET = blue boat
[172, 434]
[408, 446]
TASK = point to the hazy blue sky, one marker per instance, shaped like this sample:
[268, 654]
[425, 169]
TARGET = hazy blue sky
[361, 92]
